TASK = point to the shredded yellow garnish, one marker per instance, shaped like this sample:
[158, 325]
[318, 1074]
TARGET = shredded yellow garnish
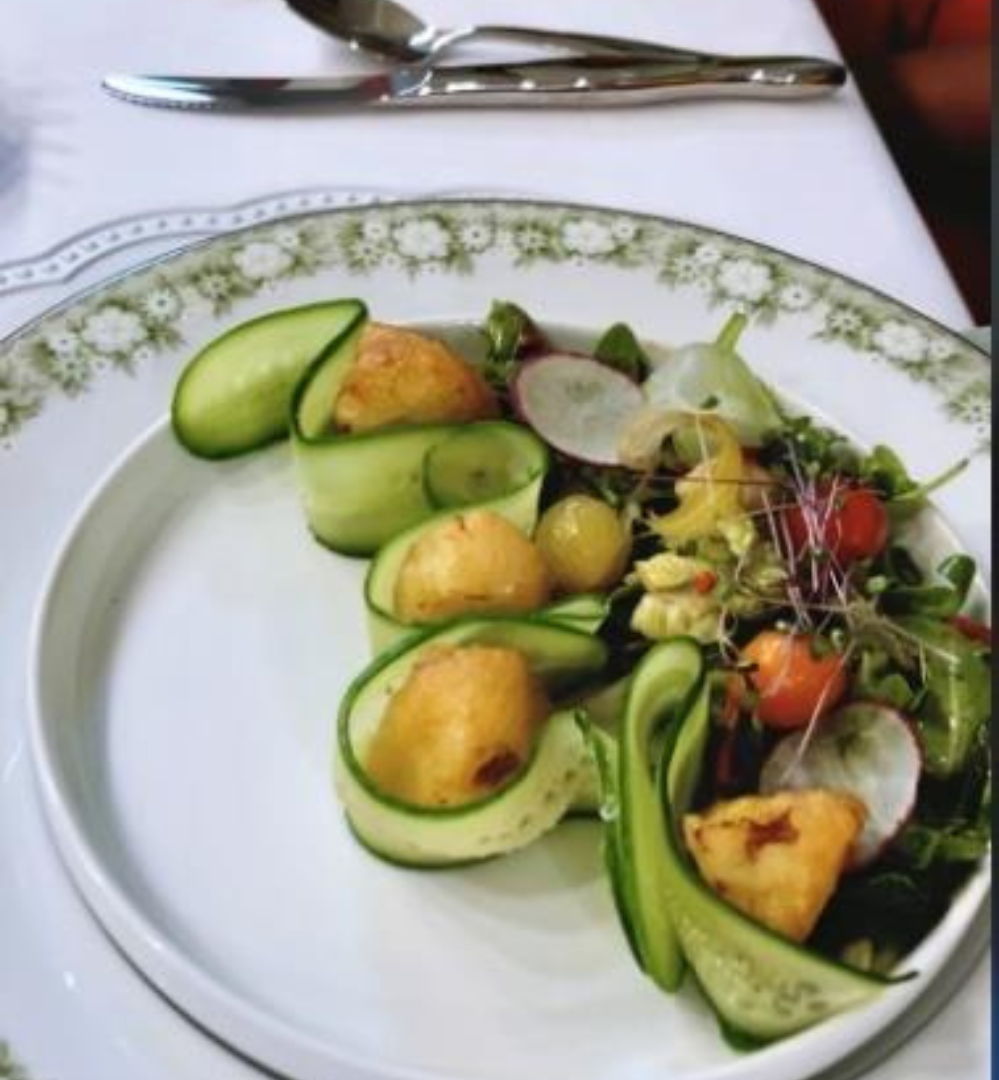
[711, 492]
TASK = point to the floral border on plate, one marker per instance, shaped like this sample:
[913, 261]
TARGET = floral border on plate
[128, 322]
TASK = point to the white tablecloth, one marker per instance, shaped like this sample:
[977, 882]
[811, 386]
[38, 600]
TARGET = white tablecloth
[812, 178]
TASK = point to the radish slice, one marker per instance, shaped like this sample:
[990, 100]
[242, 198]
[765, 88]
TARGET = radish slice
[865, 749]
[577, 405]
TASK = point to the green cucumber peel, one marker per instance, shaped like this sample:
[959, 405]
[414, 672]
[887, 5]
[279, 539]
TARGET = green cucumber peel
[761, 986]
[233, 395]
[515, 498]
[280, 374]
[361, 490]
[541, 793]
[654, 696]
[604, 750]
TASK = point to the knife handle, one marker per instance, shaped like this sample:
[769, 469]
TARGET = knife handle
[610, 81]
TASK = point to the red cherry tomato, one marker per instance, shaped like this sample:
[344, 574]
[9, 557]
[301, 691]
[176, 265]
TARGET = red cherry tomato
[972, 629]
[794, 685]
[852, 522]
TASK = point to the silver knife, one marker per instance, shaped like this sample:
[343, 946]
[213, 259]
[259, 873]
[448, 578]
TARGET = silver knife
[592, 80]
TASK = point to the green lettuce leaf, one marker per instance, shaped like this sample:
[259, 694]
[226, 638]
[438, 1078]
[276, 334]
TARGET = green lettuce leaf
[957, 701]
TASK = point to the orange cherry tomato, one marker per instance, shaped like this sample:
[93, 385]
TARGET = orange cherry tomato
[852, 521]
[794, 685]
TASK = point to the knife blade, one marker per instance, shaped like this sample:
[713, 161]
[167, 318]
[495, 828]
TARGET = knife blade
[593, 80]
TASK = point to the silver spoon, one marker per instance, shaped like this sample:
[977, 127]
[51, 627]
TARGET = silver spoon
[387, 28]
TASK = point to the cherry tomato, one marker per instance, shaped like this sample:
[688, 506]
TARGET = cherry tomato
[794, 685]
[972, 629]
[704, 581]
[853, 522]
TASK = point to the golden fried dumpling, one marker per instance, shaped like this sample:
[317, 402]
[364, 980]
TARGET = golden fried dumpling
[473, 562]
[402, 377]
[461, 725]
[777, 858]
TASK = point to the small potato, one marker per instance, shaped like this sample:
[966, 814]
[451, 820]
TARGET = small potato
[401, 377]
[459, 727]
[777, 858]
[474, 562]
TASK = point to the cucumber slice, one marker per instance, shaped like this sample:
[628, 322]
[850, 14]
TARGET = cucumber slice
[762, 986]
[512, 816]
[357, 490]
[635, 836]
[586, 612]
[604, 756]
[285, 369]
[360, 491]
[233, 395]
[661, 687]
[480, 461]
[599, 717]
[515, 497]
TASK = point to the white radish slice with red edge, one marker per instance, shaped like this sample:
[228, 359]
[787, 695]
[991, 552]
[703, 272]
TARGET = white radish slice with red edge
[577, 405]
[865, 749]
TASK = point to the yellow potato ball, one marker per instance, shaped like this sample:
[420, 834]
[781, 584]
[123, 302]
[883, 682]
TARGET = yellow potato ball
[473, 562]
[461, 726]
[401, 377]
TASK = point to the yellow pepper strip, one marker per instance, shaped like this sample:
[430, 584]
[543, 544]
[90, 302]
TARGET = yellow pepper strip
[711, 494]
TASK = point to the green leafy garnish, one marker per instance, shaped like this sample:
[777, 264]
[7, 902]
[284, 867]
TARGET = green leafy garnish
[883, 470]
[958, 692]
[924, 845]
[511, 335]
[619, 348]
[817, 450]
[943, 599]
[900, 567]
[878, 678]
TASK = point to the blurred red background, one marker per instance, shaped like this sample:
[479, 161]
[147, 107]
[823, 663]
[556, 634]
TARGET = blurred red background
[924, 67]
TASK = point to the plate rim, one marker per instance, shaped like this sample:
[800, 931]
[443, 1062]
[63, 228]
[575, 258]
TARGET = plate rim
[79, 296]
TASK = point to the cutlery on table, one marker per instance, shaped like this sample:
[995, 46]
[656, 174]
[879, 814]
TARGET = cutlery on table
[389, 29]
[589, 80]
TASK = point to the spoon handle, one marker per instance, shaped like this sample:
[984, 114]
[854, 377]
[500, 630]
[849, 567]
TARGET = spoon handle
[592, 44]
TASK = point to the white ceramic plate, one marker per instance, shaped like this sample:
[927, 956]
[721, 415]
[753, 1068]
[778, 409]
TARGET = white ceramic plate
[194, 644]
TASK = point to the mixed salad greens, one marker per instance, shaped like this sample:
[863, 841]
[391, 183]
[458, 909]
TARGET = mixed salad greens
[636, 585]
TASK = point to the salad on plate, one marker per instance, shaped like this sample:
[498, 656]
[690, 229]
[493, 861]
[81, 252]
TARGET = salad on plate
[637, 584]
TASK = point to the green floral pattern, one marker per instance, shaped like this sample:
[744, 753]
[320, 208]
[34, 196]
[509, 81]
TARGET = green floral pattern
[128, 324]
